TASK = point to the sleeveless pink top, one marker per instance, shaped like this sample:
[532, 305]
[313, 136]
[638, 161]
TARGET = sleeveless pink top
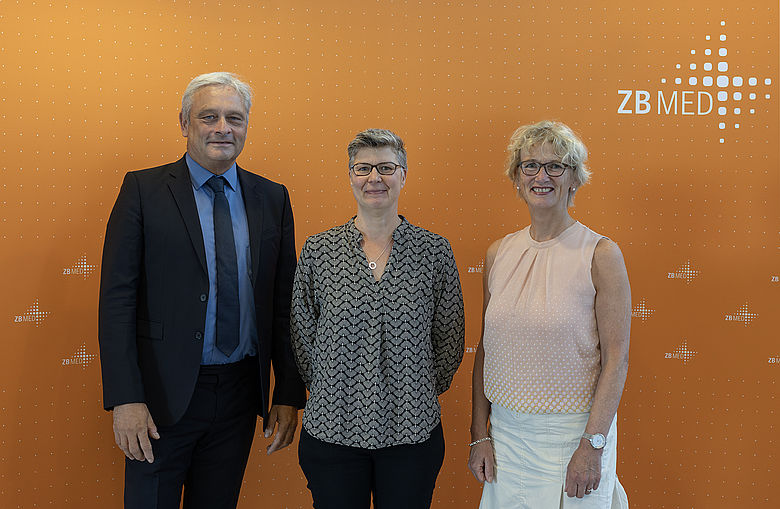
[541, 343]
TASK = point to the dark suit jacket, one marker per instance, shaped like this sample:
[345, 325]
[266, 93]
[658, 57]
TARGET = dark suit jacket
[154, 286]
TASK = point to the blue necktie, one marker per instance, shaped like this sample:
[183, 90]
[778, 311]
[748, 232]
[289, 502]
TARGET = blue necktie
[227, 270]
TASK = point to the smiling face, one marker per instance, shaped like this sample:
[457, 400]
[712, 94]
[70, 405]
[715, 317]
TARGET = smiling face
[216, 128]
[542, 191]
[375, 191]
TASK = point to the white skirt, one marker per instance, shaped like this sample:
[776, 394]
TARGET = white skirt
[532, 453]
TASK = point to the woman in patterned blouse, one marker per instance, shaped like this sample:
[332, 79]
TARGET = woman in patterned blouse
[378, 333]
[550, 368]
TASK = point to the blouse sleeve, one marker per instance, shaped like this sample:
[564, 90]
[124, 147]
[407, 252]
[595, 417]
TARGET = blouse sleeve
[304, 315]
[448, 331]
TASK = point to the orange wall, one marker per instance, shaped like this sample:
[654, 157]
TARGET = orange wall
[90, 91]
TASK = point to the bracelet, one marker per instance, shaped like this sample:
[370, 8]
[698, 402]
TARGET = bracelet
[475, 442]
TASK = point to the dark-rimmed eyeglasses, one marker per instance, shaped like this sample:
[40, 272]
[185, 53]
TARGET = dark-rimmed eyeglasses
[365, 169]
[553, 168]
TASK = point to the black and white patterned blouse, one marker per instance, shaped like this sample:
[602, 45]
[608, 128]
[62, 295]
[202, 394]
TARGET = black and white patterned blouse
[375, 355]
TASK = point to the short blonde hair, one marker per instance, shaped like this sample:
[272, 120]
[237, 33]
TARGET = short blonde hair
[564, 142]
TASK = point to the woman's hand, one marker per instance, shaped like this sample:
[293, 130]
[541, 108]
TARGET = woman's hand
[584, 471]
[481, 461]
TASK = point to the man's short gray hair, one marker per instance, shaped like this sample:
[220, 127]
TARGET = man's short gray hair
[377, 138]
[222, 79]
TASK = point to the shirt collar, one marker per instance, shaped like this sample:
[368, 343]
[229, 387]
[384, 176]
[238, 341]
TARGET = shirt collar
[199, 175]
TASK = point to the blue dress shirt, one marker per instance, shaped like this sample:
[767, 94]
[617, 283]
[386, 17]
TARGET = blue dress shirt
[204, 199]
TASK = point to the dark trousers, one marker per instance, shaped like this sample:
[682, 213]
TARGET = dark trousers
[398, 477]
[207, 450]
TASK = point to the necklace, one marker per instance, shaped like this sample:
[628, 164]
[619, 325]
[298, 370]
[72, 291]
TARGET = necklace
[372, 263]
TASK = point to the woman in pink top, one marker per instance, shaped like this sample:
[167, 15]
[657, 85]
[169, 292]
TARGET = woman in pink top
[550, 369]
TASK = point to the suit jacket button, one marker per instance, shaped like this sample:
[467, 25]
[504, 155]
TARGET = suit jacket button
[198, 336]
[203, 297]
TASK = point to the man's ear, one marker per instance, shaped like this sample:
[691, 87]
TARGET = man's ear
[183, 124]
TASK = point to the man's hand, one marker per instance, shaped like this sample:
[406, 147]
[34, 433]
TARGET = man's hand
[133, 425]
[481, 462]
[287, 418]
[584, 472]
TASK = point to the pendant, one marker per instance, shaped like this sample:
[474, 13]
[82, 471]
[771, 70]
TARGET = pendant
[372, 265]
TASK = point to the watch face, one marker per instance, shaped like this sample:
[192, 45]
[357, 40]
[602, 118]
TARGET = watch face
[598, 441]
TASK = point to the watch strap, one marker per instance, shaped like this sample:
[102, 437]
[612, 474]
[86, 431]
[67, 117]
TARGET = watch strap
[596, 440]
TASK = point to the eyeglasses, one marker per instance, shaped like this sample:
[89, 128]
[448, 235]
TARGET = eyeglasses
[553, 168]
[365, 169]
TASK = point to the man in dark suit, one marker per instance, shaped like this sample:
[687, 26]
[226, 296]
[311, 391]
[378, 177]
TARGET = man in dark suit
[195, 293]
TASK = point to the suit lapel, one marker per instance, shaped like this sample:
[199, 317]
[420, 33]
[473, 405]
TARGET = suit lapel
[181, 188]
[253, 203]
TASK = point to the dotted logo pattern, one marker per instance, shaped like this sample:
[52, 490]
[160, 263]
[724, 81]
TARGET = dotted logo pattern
[81, 357]
[743, 315]
[686, 272]
[736, 95]
[80, 268]
[642, 311]
[682, 352]
[476, 269]
[34, 314]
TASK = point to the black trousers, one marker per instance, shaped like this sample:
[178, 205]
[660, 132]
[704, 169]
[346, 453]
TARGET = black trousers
[398, 477]
[207, 450]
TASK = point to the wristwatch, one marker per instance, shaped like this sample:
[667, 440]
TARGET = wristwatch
[597, 441]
